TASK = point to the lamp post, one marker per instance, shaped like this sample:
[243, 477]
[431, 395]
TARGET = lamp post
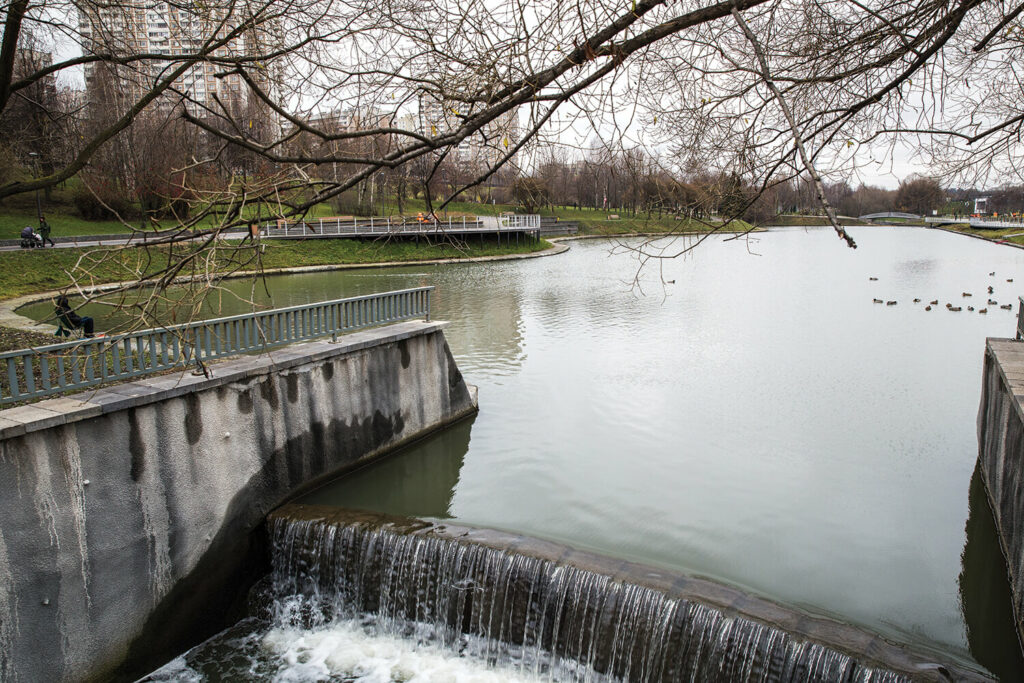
[35, 174]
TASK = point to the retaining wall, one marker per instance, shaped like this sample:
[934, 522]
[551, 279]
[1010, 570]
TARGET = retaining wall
[1001, 456]
[126, 513]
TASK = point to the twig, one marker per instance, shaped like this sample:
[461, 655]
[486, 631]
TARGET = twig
[797, 137]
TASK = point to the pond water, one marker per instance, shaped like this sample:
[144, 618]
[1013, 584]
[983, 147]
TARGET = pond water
[745, 413]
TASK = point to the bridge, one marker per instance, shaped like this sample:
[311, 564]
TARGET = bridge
[889, 214]
[404, 226]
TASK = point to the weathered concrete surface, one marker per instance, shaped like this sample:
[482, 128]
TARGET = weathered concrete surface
[125, 513]
[1001, 455]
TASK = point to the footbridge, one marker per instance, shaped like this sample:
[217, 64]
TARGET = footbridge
[889, 214]
[404, 226]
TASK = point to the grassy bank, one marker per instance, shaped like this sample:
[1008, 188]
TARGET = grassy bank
[1008, 235]
[810, 221]
[37, 270]
[66, 223]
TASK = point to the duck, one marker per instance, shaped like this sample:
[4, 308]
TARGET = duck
[878, 301]
[982, 311]
[1009, 279]
[917, 301]
[970, 308]
[955, 309]
[992, 274]
[873, 279]
[890, 303]
[670, 282]
[927, 308]
[967, 294]
[933, 303]
[1008, 307]
[990, 290]
[949, 305]
[992, 302]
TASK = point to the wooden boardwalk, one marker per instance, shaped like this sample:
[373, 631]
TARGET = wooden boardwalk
[402, 226]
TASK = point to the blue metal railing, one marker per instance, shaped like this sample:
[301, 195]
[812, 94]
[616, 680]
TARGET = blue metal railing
[60, 368]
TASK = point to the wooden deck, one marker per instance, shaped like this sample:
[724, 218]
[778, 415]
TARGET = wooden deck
[403, 226]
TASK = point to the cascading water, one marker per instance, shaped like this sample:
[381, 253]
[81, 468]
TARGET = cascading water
[359, 597]
[533, 615]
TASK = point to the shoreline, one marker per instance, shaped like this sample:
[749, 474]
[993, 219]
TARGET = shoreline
[9, 317]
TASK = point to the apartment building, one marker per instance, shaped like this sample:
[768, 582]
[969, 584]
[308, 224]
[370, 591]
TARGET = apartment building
[160, 28]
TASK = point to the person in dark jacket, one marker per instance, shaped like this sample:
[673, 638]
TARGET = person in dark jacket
[64, 312]
[44, 231]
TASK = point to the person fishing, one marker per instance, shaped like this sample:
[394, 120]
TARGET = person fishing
[68, 317]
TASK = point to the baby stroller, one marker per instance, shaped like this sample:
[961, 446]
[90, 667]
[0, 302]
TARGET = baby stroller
[30, 238]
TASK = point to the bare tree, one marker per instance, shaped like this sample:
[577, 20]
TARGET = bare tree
[760, 94]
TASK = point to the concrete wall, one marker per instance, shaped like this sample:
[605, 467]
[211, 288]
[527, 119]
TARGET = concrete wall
[1001, 455]
[126, 513]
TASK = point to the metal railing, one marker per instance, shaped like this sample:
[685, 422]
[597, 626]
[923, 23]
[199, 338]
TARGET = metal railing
[529, 221]
[59, 368]
[399, 225]
[1020, 318]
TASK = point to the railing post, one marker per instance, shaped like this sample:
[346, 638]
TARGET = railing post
[428, 304]
[1020, 318]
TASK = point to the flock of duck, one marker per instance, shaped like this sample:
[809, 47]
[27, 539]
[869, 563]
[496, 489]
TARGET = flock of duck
[951, 307]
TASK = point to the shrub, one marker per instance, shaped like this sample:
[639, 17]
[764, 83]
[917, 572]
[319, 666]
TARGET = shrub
[93, 208]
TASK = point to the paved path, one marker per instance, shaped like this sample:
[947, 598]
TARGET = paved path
[111, 241]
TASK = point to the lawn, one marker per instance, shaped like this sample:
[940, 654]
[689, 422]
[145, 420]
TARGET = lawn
[38, 270]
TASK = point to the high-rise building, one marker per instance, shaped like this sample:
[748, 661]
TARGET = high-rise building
[160, 28]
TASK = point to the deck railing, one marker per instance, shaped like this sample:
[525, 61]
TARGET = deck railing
[1020, 318]
[400, 225]
[70, 366]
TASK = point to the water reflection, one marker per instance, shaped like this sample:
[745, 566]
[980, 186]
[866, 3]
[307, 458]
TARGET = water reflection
[985, 592]
[417, 482]
[482, 302]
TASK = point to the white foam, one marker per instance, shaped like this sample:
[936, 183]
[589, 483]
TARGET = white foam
[176, 670]
[345, 649]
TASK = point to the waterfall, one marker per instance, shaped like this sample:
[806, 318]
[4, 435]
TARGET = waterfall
[538, 616]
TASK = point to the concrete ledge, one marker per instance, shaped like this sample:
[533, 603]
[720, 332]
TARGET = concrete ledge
[90, 403]
[127, 513]
[866, 647]
[1001, 456]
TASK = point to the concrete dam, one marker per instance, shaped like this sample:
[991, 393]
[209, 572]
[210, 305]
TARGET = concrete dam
[128, 512]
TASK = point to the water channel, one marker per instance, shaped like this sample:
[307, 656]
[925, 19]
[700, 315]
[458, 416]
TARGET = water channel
[745, 413]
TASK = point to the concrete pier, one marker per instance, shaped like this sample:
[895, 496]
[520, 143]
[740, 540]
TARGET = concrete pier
[1001, 456]
[126, 514]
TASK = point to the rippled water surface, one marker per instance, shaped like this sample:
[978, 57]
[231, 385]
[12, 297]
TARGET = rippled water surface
[759, 420]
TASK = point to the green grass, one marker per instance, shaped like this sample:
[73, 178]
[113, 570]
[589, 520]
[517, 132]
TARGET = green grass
[810, 221]
[13, 340]
[63, 225]
[989, 234]
[38, 270]
[60, 213]
[626, 225]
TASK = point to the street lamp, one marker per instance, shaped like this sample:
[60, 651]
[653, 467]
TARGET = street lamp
[35, 174]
